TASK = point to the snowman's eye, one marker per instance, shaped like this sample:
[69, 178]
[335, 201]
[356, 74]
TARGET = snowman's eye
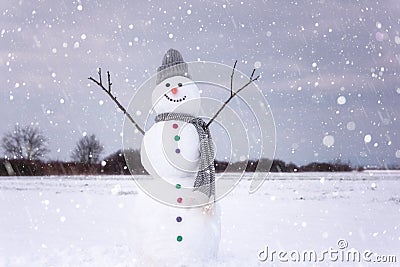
[179, 84]
[167, 84]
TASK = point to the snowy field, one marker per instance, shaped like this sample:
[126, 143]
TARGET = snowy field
[86, 221]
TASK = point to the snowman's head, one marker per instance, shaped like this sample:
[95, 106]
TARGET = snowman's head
[176, 94]
[175, 91]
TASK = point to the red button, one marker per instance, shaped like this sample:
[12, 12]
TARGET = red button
[174, 125]
[179, 200]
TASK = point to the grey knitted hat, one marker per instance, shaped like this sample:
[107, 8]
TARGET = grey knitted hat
[172, 65]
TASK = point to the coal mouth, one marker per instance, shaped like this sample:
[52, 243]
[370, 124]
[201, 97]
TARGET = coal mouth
[175, 100]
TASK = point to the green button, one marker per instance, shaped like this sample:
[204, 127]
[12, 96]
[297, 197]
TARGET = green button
[177, 137]
[178, 186]
[179, 238]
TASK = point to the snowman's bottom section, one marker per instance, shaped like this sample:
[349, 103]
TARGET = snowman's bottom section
[170, 236]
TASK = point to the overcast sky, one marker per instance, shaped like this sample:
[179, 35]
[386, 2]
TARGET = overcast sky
[330, 69]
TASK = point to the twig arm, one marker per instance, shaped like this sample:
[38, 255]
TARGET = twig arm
[114, 98]
[109, 81]
[233, 94]
[233, 72]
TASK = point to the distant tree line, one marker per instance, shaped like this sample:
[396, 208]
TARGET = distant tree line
[115, 164]
[25, 149]
[278, 165]
[112, 165]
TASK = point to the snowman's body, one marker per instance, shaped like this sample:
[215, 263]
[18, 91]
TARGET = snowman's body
[187, 147]
[157, 228]
[168, 235]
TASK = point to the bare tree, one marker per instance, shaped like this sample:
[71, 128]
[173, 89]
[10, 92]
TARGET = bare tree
[87, 150]
[25, 143]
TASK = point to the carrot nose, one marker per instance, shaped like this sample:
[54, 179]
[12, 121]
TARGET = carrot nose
[174, 90]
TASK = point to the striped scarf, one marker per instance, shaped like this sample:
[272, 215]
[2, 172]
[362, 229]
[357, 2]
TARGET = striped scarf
[205, 179]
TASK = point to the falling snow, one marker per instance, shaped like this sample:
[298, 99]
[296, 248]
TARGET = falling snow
[367, 138]
[334, 69]
[257, 64]
[351, 126]
[328, 140]
[341, 100]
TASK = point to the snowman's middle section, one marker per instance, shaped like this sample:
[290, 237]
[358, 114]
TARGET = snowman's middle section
[173, 149]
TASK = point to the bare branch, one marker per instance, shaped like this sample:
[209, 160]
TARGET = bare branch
[233, 94]
[233, 72]
[114, 98]
[99, 72]
[252, 74]
[251, 80]
[109, 81]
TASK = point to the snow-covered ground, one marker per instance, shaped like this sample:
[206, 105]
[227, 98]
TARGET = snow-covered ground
[86, 221]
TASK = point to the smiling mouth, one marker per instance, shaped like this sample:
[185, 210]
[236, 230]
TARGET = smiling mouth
[175, 100]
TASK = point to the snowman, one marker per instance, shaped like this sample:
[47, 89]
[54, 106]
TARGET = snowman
[183, 228]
